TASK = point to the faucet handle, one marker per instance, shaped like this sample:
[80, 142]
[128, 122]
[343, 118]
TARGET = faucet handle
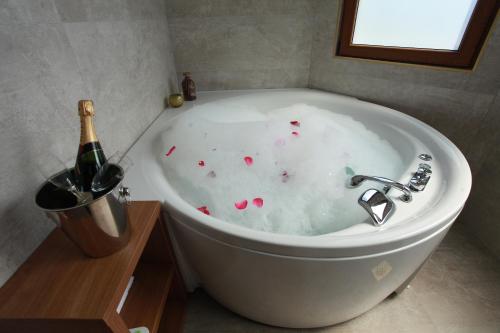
[424, 168]
[378, 206]
[420, 178]
[405, 197]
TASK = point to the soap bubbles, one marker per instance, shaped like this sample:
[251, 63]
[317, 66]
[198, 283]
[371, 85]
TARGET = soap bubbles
[290, 166]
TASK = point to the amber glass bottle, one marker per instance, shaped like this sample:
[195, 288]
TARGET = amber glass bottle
[188, 87]
[90, 155]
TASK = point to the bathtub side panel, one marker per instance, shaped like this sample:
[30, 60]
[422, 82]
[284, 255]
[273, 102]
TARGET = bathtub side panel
[298, 292]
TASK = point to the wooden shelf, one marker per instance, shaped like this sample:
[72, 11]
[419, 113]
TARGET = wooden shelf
[59, 289]
[147, 297]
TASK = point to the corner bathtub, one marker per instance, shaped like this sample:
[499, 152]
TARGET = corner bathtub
[310, 281]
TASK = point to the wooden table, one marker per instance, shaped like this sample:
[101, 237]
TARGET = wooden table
[59, 289]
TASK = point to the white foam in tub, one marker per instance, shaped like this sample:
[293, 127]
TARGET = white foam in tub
[294, 161]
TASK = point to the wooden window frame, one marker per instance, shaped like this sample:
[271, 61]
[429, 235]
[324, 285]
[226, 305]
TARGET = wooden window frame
[465, 57]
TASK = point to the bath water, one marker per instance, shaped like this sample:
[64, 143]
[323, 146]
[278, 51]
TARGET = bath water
[282, 171]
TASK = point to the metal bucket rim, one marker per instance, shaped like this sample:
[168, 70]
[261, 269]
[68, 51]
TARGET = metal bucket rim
[79, 205]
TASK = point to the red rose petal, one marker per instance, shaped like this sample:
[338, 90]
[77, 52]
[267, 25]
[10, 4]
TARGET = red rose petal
[295, 123]
[295, 133]
[284, 176]
[258, 202]
[241, 205]
[201, 163]
[248, 160]
[170, 151]
[204, 210]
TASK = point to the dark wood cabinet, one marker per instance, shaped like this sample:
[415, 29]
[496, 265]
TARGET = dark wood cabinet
[59, 289]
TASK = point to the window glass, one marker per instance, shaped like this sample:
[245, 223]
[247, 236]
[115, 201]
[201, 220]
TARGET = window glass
[429, 24]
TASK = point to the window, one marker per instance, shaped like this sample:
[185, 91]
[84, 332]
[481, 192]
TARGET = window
[433, 32]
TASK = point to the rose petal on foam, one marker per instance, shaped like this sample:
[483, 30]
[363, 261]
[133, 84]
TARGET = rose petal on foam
[295, 123]
[284, 176]
[201, 163]
[170, 151]
[295, 133]
[204, 210]
[280, 142]
[241, 205]
[259, 202]
[248, 160]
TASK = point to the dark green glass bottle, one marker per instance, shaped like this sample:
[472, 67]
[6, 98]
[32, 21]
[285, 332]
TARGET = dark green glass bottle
[90, 156]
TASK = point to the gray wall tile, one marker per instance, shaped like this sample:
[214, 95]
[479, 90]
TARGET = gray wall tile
[28, 11]
[482, 212]
[91, 10]
[240, 44]
[121, 57]
[250, 79]
[110, 10]
[221, 8]
[146, 9]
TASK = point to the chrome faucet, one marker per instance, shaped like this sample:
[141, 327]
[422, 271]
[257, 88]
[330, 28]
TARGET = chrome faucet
[405, 197]
[377, 204]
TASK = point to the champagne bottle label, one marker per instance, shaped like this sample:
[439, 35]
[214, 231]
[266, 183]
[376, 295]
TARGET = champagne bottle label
[90, 154]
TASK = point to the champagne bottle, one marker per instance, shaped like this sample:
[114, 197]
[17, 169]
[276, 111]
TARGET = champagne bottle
[90, 156]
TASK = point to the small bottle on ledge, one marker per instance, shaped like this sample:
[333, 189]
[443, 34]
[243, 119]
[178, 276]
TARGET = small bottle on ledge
[188, 87]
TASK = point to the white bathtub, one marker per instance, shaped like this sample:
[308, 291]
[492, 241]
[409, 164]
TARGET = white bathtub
[310, 281]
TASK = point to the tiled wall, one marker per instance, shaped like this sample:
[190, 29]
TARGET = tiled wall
[482, 213]
[239, 44]
[53, 53]
[463, 105]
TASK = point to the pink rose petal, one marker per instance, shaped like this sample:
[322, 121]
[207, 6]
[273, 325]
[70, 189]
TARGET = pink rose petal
[201, 163]
[295, 123]
[284, 176]
[204, 210]
[280, 142]
[258, 202]
[170, 151]
[295, 133]
[241, 205]
[248, 160]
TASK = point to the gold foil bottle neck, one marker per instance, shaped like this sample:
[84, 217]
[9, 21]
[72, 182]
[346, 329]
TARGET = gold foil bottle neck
[86, 108]
[87, 130]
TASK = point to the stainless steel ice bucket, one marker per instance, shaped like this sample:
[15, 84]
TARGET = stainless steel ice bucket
[99, 227]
